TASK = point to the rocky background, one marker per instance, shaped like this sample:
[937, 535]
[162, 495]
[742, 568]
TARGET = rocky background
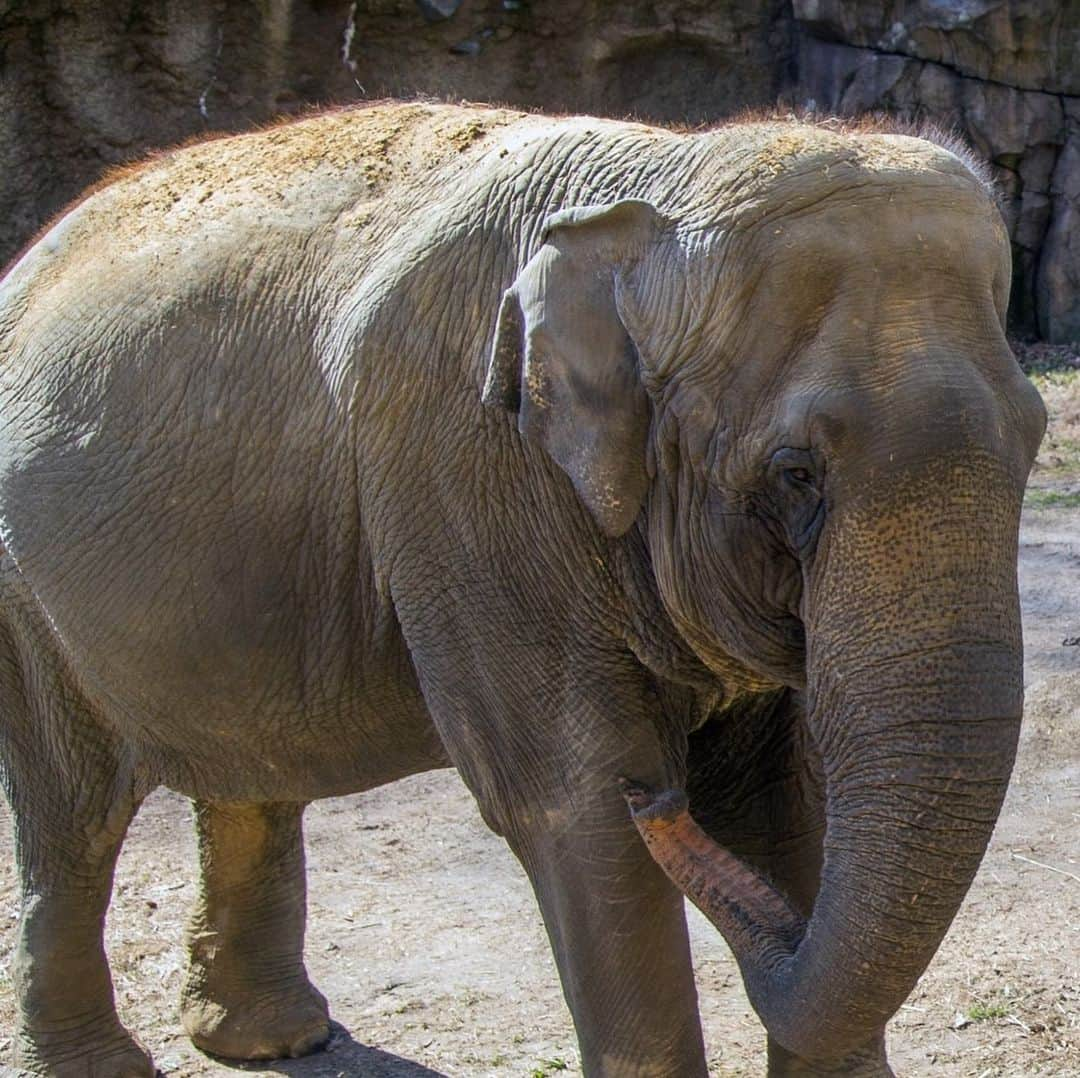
[87, 85]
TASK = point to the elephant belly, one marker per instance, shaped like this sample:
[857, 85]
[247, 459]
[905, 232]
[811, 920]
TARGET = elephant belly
[243, 661]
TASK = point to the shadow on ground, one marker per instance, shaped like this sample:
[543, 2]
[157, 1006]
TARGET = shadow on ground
[343, 1056]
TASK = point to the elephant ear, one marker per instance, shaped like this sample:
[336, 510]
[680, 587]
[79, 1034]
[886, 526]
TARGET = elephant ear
[563, 360]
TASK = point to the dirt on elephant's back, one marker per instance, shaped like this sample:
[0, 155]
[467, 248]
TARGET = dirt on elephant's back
[296, 170]
[385, 140]
[424, 935]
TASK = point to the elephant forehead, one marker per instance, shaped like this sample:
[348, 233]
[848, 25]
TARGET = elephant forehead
[873, 265]
[888, 242]
[882, 214]
[813, 159]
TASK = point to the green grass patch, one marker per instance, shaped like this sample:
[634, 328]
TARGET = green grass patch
[1044, 380]
[1059, 456]
[1052, 499]
[983, 1012]
[548, 1067]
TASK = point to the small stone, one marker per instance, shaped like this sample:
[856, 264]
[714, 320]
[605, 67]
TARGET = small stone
[468, 47]
[437, 10]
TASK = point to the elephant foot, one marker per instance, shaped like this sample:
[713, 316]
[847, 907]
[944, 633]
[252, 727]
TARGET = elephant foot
[852, 1069]
[81, 1053]
[868, 1062]
[256, 1023]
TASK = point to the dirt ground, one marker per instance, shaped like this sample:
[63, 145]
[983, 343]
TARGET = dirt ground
[425, 937]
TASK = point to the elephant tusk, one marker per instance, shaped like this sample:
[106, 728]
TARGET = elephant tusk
[758, 922]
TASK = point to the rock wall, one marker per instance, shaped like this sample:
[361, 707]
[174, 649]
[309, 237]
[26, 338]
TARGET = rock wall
[84, 86]
[1006, 73]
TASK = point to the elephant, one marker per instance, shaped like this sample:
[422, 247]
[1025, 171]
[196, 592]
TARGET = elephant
[603, 462]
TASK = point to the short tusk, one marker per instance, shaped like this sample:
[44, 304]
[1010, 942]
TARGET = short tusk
[758, 922]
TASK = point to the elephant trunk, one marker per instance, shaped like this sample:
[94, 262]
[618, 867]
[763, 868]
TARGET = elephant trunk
[896, 869]
[915, 683]
[909, 814]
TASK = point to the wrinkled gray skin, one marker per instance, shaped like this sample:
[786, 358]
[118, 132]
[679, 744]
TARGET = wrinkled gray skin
[739, 517]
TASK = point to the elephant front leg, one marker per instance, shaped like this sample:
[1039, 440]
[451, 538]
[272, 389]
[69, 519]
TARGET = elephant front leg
[618, 931]
[247, 994]
[541, 720]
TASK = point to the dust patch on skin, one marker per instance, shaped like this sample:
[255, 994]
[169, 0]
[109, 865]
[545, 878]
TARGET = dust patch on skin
[297, 170]
[357, 155]
[467, 134]
[784, 144]
[382, 144]
[776, 155]
[536, 385]
[854, 130]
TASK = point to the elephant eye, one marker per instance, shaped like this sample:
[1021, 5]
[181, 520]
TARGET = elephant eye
[795, 468]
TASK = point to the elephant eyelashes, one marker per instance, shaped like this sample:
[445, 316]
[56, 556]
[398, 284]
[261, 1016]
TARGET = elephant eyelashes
[795, 477]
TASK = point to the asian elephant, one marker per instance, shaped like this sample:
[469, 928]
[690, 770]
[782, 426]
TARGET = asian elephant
[562, 451]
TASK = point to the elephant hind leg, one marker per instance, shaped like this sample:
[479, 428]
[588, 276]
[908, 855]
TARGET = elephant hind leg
[72, 798]
[247, 993]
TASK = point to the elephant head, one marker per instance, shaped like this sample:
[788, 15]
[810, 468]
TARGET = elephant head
[793, 378]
